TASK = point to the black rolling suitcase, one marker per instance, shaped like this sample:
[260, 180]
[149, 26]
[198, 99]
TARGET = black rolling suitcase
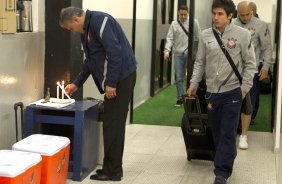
[197, 135]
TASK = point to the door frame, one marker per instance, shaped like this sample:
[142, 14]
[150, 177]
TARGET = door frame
[277, 99]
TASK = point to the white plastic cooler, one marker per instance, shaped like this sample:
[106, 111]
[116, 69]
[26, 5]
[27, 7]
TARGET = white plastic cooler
[17, 167]
[55, 155]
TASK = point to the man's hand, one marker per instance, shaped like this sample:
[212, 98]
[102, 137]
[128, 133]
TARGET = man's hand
[244, 93]
[263, 74]
[110, 92]
[71, 88]
[191, 91]
[166, 56]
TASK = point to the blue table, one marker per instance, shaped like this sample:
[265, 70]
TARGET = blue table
[83, 117]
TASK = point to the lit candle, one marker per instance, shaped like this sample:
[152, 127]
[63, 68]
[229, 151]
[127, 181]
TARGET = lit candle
[63, 86]
[63, 90]
[58, 90]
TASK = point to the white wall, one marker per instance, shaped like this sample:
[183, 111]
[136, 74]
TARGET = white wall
[121, 9]
[278, 108]
[144, 9]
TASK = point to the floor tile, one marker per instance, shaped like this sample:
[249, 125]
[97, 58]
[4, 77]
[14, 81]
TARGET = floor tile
[157, 155]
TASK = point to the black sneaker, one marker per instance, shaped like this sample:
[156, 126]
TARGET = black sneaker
[219, 180]
[179, 103]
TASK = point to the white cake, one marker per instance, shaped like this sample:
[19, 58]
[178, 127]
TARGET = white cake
[61, 101]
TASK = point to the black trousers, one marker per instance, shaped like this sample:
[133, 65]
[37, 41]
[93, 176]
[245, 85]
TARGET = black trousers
[115, 113]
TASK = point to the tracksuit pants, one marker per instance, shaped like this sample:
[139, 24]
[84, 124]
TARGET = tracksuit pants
[223, 116]
[254, 93]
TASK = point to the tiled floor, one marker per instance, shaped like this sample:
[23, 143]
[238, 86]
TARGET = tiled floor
[156, 155]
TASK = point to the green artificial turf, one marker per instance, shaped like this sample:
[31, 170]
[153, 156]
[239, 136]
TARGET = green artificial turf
[160, 110]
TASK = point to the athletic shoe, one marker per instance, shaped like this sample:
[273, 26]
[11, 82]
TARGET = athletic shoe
[243, 142]
[219, 180]
[179, 103]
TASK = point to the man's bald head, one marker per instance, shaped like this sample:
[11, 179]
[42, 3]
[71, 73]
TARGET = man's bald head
[245, 12]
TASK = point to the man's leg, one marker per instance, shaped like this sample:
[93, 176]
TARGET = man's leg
[229, 113]
[245, 123]
[257, 93]
[246, 119]
[114, 128]
[180, 69]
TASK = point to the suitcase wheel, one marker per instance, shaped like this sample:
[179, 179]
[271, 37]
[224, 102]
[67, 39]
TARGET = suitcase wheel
[212, 155]
[189, 155]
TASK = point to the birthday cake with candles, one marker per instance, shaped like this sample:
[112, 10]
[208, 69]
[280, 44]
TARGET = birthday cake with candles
[60, 101]
[56, 102]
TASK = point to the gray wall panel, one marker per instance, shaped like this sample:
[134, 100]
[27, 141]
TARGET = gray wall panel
[126, 25]
[21, 78]
[143, 49]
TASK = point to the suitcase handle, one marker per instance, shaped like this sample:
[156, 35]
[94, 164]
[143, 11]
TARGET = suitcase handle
[188, 109]
[16, 105]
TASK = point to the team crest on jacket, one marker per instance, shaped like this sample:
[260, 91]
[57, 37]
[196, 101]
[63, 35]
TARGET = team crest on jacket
[231, 44]
[210, 108]
[252, 31]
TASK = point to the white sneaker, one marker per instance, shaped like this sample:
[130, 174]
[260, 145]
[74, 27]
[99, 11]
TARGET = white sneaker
[243, 144]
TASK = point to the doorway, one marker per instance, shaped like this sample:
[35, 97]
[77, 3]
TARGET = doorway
[201, 13]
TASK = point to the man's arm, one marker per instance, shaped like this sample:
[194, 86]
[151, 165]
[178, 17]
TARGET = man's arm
[82, 76]
[199, 65]
[249, 63]
[169, 42]
[266, 52]
[113, 48]
[196, 32]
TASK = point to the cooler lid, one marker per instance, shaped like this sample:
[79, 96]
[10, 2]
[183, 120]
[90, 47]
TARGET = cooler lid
[14, 163]
[46, 145]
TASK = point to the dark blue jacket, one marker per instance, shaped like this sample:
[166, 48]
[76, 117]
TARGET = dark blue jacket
[109, 56]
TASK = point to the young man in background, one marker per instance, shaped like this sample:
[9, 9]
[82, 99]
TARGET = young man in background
[178, 39]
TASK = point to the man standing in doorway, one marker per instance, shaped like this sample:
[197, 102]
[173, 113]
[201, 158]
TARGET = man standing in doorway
[263, 50]
[111, 62]
[224, 92]
[177, 37]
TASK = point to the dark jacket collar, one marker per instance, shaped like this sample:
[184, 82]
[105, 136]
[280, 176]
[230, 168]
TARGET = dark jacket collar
[87, 20]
